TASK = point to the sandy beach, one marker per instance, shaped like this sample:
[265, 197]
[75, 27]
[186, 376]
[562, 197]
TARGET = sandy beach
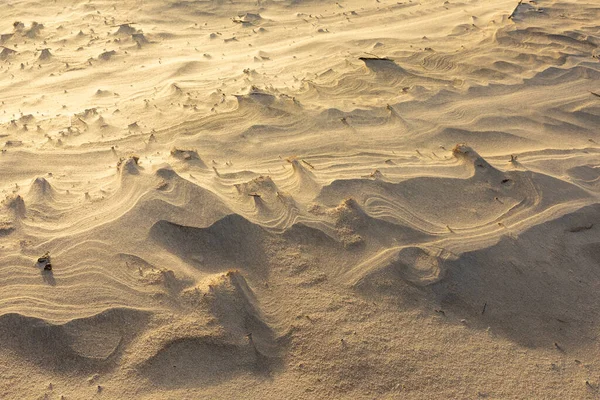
[300, 199]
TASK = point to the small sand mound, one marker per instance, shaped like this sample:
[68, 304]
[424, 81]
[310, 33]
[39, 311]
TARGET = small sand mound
[12, 210]
[45, 55]
[260, 186]
[140, 39]
[100, 122]
[41, 191]
[466, 153]
[125, 29]
[18, 26]
[262, 56]
[234, 304]
[349, 213]
[6, 53]
[107, 55]
[304, 180]
[128, 166]
[190, 156]
[27, 119]
[416, 265]
[247, 18]
[89, 118]
[6, 226]
[5, 37]
[134, 127]
[104, 93]
[160, 277]
[16, 204]
[349, 220]
[480, 166]
[358, 230]
[186, 155]
[256, 95]
[34, 30]
[88, 113]
[244, 344]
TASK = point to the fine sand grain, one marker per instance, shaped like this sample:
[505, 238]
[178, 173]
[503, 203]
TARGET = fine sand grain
[300, 199]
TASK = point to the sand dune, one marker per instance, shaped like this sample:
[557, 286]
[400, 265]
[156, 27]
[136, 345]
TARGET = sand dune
[299, 199]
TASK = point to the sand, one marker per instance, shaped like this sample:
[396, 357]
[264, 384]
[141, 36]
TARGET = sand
[300, 199]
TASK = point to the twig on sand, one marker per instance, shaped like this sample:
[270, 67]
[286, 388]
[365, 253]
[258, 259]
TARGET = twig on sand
[374, 58]
[251, 342]
[309, 164]
[558, 346]
[595, 94]
[484, 307]
[515, 10]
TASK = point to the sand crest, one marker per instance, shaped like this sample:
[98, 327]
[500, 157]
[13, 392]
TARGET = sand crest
[299, 199]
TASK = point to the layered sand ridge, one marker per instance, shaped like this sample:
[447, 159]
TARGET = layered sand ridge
[300, 199]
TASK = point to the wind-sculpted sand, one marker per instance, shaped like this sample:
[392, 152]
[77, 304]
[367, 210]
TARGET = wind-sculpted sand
[299, 199]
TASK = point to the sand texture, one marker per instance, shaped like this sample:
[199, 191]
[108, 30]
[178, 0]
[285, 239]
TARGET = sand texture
[300, 199]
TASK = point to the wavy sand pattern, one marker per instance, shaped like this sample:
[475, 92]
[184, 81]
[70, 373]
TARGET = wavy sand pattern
[300, 199]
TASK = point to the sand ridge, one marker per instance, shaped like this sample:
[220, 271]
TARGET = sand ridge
[299, 199]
